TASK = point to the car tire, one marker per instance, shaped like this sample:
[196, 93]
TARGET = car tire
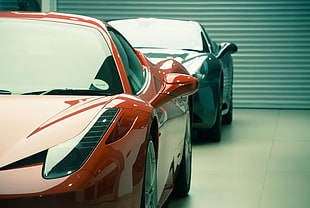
[228, 117]
[149, 192]
[214, 134]
[183, 180]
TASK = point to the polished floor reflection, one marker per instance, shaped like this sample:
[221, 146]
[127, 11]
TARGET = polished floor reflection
[263, 161]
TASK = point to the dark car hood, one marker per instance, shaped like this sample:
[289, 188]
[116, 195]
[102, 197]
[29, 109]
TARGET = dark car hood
[191, 60]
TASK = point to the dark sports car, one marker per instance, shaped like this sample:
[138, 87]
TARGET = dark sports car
[86, 120]
[189, 43]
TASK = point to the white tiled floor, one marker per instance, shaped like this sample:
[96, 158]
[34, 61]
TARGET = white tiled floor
[263, 161]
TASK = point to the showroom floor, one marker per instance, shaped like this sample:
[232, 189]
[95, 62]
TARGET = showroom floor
[263, 161]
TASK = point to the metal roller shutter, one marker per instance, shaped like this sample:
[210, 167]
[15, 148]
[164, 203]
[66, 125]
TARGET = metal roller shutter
[272, 67]
[8, 5]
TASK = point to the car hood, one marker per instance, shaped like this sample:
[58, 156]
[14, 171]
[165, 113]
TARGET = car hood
[191, 60]
[31, 124]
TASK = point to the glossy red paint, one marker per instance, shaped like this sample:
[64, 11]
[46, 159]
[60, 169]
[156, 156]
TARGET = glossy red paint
[114, 172]
[175, 85]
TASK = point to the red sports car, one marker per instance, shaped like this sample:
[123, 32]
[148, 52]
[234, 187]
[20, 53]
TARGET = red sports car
[86, 120]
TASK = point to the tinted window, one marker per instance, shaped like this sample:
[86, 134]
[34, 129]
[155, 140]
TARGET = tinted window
[131, 62]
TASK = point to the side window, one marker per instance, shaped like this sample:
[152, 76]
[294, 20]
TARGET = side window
[130, 60]
[107, 78]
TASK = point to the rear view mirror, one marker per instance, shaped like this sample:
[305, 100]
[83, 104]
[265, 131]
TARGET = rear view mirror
[175, 85]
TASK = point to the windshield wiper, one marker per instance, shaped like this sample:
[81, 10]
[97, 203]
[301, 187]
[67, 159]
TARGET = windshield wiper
[5, 92]
[69, 92]
[188, 49]
[76, 92]
[34, 92]
[149, 47]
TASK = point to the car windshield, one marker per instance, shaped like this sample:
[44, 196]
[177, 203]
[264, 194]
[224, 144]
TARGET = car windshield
[154, 33]
[40, 56]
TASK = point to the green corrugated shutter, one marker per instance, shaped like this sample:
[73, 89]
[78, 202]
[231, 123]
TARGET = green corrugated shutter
[272, 67]
[8, 5]
[17, 5]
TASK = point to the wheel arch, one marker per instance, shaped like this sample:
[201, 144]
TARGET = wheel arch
[154, 132]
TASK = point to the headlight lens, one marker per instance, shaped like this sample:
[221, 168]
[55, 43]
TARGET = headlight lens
[68, 157]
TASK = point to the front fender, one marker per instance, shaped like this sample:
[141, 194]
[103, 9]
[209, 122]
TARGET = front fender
[214, 68]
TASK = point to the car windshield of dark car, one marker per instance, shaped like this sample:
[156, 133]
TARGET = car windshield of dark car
[41, 56]
[166, 34]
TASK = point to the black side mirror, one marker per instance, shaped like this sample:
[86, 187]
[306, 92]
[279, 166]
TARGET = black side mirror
[227, 48]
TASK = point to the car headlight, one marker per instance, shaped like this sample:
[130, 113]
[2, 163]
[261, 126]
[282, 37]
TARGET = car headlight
[68, 157]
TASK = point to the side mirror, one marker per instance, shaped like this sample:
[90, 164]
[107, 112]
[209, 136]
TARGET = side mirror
[227, 48]
[175, 85]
